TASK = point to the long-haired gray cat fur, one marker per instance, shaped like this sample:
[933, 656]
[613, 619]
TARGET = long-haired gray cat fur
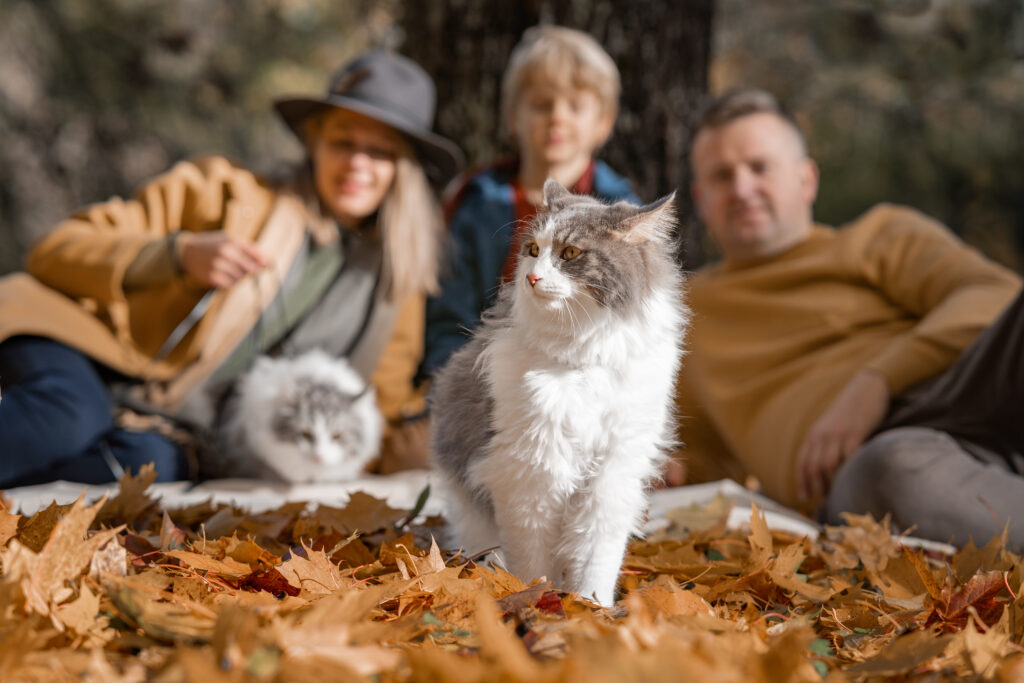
[550, 424]
[306, 419]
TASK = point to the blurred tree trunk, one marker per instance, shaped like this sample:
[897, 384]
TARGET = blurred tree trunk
[661, 48]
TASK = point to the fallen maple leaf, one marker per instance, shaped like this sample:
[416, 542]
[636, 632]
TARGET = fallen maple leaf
[47, 578]
[8, 526]
[132, 500]
[313, 572]
[227, 568]
[951, 611]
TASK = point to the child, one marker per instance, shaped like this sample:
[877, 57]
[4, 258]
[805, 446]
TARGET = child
[559, 101]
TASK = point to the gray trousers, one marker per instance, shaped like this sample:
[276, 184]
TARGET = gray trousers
[948, 461]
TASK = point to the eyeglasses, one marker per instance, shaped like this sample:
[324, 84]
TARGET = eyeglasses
[349, 147]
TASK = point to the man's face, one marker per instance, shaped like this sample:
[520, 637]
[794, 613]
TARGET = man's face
[754, 186]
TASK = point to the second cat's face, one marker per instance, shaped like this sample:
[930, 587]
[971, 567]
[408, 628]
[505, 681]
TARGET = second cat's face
[318, 437]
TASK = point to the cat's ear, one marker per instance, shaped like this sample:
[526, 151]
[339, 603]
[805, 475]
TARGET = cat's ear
[652, 223]
[556, 196]
[366, 394]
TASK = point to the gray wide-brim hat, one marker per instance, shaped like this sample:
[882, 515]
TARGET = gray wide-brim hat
[389, 88]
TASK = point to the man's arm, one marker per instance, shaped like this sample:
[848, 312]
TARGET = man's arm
[839, 432]
[952, 290]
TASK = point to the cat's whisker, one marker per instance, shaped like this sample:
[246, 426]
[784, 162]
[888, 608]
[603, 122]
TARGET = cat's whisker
[517, 222]
[592, 298]
[572, 320]
[584, 308]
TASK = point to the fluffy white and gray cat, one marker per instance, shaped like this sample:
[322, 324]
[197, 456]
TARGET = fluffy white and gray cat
[306, 419]
[550, 424]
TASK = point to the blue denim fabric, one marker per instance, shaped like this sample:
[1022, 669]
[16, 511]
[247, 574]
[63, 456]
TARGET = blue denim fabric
[56, 416]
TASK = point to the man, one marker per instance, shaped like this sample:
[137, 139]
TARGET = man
[837, 366]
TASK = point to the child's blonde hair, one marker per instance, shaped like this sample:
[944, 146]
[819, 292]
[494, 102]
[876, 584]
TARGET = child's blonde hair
[563, 57]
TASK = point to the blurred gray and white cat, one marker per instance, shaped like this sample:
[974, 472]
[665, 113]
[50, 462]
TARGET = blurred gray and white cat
[550, 424]
[306, 419]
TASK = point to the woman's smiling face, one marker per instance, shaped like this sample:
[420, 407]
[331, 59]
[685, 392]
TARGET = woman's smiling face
[354, 164]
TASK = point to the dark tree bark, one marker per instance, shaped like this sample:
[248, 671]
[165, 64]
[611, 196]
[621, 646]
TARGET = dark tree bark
[662, 50]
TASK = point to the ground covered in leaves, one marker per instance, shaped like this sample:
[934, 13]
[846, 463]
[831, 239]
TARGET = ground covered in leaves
[121, 590]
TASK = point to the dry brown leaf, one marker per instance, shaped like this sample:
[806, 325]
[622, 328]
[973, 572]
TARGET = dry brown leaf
[314, 573]
[783, 572]
[180, 621]
[62, 559]
[81, 616]
[248, 552]
[760, 539]
[227, 568]
[132, 500]
[109, 559]
[362, 513]
[660, 600]
[499, 645]
[34, 531]
[983, 650]
[8, 526]
[871, 541]
[904, 654]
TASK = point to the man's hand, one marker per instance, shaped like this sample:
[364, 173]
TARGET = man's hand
[214, 259]
[854, 414]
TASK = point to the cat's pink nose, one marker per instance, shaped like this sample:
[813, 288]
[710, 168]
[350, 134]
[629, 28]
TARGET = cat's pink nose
[533, 279]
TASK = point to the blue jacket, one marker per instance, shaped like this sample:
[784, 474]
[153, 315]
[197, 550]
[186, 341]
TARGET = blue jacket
[482, 225]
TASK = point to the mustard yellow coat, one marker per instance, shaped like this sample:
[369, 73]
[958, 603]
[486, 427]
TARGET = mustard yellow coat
[73, 289]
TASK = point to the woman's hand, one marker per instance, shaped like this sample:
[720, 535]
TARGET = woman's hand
[839, 432]
[215, 259]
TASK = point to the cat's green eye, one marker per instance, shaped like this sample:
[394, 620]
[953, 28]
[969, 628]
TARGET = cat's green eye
[569, 253]
[532, 249]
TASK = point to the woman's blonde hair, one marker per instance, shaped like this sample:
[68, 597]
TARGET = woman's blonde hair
[409, 222]
[563, 57]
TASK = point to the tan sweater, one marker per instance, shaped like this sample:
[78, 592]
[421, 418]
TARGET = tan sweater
[774, 341]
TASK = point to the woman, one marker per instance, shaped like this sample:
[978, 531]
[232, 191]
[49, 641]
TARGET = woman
[158, 302]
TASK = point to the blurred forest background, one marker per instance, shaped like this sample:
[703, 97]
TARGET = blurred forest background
[912, 101]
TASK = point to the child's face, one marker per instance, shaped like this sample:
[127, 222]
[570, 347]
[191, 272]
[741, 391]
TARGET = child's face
[560, 125]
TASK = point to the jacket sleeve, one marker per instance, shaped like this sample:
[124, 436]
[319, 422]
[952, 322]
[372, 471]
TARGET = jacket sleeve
[396, 368]
[87, 255]
[952, 289]
[452, 314]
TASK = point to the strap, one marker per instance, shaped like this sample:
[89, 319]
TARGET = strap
[186, 325]
[338, 320]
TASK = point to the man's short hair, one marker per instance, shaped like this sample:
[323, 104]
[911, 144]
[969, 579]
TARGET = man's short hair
[563, 57]
[740, 102]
